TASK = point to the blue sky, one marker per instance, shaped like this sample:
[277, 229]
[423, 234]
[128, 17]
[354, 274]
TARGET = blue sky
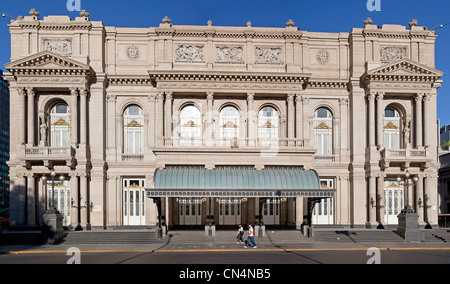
[310, 15]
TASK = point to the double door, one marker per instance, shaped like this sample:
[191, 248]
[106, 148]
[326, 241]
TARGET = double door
[230, 211]
[134, 202]
[394, 202]
[190, 211]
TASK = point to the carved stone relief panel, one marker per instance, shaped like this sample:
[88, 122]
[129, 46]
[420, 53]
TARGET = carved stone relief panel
[391, 54]
[190, 53]
[59, 46]
[229, 54]
[272, 55]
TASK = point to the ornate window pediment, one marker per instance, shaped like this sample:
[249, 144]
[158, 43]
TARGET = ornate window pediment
[48, 63]
[405, 70]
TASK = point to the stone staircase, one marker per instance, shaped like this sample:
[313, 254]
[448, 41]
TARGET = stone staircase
[111, 237]
[437, 235]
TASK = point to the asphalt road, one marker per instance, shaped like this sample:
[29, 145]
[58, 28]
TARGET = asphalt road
[235, 257]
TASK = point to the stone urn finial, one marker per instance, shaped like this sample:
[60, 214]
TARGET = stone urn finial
[368, 21]
[413, 23]
[167, 20]
[35, 14]
[249, 24]
[209, 23]
[290, 23]
[84, 14]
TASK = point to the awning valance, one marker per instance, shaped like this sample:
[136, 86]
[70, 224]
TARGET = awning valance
[237, 183]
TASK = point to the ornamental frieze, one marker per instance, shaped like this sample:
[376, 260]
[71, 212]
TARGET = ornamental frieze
[391, 54]
[229, 54]
[59, 46]
[190, 53]
[271, 55]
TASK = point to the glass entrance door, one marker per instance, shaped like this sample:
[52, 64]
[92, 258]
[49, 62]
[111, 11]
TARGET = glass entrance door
[394, 202]
[190, 211]
[323, 213]
[134, 202]
[62, 199]
[230, 211]
[271, 212]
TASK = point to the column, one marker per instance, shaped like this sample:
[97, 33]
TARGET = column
[31, 200]
[380, 119]
[419, 129]
[21, 113]
[251, 123]
[75, 202]
[299, 212]
[380, 198]
[151, 121]
[427, 120]
[74, 116]
[209, 131]
[372, 200]
[83, 116]
[31, 129]
[431, 200]
[160, 119]
[84, 202]
[418, 205]
[291, 116]
[371, 121]
[168, 115]
[299, 116]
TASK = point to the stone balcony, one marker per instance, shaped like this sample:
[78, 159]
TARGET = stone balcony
[48, 155]
[235, 143]
[405, 158]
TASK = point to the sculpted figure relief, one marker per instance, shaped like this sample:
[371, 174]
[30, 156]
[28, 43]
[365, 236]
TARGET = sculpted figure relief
[269, 55]
[59, 46]
[229, 54]
[393, 53]
[190, 53]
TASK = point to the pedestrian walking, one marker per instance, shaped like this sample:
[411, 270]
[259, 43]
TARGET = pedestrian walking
[240, 235]
[251, 237]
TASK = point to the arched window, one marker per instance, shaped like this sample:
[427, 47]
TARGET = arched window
[268, 126]
[229, 124]
[133, 130]
[323, 132]
[190, 126]
[392, 128]
[59, 126]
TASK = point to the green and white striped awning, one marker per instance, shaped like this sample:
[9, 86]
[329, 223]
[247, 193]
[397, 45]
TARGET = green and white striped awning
[201, 183]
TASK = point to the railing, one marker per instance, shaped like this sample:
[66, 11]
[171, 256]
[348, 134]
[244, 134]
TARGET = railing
[49, 152]
[403, 153]
[234, 142]
[325, 158]
[132, 157]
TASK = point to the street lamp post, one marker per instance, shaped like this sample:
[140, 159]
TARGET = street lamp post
[53, 228]
[408, 220]
[52, 206]
[407, 185]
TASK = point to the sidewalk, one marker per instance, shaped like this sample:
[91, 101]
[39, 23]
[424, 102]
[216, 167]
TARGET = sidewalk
[192, 241]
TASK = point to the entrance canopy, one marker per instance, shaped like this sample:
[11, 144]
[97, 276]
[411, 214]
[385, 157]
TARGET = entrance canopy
[204, 183]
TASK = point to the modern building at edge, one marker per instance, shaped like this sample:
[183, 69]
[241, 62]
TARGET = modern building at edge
[116, 111]
[4, 148]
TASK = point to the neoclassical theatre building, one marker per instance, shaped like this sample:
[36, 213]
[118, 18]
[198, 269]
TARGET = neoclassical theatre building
[230, 125]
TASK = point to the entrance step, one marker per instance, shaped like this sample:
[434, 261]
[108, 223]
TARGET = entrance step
[111, 237]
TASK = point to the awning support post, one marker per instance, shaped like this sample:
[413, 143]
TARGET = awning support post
[312, 202]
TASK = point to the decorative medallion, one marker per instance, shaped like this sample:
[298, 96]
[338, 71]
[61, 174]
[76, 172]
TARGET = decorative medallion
[133, 52]
[60, 122]
[268, 125]
[190, 123]
[230, 124]
[323, 57]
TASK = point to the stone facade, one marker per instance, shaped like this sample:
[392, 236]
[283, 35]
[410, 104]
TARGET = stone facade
[98, 72]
